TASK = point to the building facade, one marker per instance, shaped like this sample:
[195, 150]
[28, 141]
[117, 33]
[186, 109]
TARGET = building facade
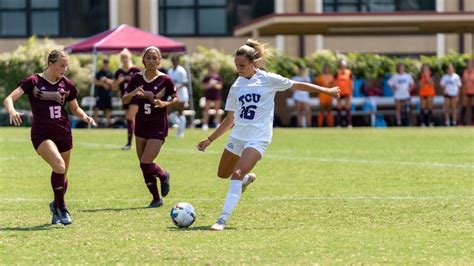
[211, 23]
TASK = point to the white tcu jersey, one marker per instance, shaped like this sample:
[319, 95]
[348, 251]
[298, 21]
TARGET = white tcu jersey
[401, 83]
[451, 84]
[253, 102]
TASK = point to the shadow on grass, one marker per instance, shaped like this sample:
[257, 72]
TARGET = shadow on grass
[196, 228]
[114, 209]
[40, 227]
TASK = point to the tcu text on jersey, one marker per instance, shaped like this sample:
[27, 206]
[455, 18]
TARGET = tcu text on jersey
[248, 111]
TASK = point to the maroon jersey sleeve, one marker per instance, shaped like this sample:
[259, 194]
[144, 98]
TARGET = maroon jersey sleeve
[170, 88]
[28, 83]
[72, 90]
[132, 85]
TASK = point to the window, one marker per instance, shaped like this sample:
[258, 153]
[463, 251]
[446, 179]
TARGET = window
[193, 17]
[57, 18]
[378, 5]
[208, 17]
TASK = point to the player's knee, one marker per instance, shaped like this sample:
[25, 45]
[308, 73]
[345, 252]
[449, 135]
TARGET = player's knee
[59, 167]
[237, 174]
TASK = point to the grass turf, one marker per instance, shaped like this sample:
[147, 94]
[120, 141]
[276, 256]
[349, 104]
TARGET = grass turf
[327, 196]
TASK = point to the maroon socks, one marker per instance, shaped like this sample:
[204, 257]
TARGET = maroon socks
[59, 185]
[130, 129]
[150, 170]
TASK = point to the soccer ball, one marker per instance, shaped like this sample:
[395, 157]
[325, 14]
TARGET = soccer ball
[183, 215]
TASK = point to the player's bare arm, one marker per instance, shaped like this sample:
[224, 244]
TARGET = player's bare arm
[77, 111]
[15, 117]
[225, 125]
[302, 86]
[129, 95]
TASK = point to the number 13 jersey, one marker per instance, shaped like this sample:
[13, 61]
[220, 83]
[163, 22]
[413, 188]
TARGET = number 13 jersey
[253, 103]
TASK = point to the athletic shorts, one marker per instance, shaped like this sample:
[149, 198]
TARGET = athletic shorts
[104, 103]
[237, 146]
[450, 96]
[183, 95]
[64, 143]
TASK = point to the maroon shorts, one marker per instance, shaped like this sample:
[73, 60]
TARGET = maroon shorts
[149, 134]
[64, 143]
[212, 95]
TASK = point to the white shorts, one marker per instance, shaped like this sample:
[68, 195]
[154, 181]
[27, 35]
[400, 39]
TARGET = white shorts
[237, 146]
[301, 96]
[183, 95]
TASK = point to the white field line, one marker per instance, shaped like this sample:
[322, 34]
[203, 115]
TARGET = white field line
[270, 198]
[285, 157]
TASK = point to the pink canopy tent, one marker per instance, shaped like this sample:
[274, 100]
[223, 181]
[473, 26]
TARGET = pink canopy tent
[125, 36]
[134, 39]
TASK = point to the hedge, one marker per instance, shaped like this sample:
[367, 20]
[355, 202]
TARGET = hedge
[31, 58]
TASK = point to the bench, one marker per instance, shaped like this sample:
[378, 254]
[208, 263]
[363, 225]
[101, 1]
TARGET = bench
[363, 106]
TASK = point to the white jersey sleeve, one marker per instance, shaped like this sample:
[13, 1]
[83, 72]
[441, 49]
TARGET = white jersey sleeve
[278, 82]
[231, 102]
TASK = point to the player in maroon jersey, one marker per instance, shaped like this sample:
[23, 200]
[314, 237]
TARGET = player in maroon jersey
[51, 136]
[152, 91]
[121, 79]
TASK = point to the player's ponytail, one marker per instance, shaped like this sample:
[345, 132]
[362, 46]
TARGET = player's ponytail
[254, 51]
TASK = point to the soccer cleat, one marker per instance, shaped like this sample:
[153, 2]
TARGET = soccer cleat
[251, 178]
[126, 147]
[54, 214]
[219, 225]
[165, 185]
[155, 203]
[64, 216]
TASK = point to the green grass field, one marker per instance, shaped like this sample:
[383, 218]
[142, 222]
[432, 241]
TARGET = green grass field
[335, 196]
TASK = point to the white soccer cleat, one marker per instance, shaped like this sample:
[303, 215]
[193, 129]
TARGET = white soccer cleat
[218, 226]
[248, 179]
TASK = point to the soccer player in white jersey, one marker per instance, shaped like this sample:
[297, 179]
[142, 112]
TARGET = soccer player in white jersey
[179, 76]
[250, 107]
[402, 83]
[450, 82]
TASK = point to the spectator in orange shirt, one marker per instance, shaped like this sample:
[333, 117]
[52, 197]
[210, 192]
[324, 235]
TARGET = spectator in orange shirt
[344, 82]
[468, 88]
[325, 79]
[427, 92]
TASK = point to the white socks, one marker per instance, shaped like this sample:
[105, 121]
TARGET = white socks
[233, 197]
[182, 122]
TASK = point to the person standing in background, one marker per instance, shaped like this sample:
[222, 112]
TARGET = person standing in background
[468, 91]
[450, 82]
[325, 79]
[179, 76]
[122, 78]
[427, 92]
[344, 82]
[212, 84]
[402, 83]
[103, 87]
[302, 106]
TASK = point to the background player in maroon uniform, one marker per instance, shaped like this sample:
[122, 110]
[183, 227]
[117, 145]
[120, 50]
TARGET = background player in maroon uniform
[212, 91]
[51, 132]
[122, 78]
[152, 91]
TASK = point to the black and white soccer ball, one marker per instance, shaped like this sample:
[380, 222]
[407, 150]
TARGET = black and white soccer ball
[183, 215]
